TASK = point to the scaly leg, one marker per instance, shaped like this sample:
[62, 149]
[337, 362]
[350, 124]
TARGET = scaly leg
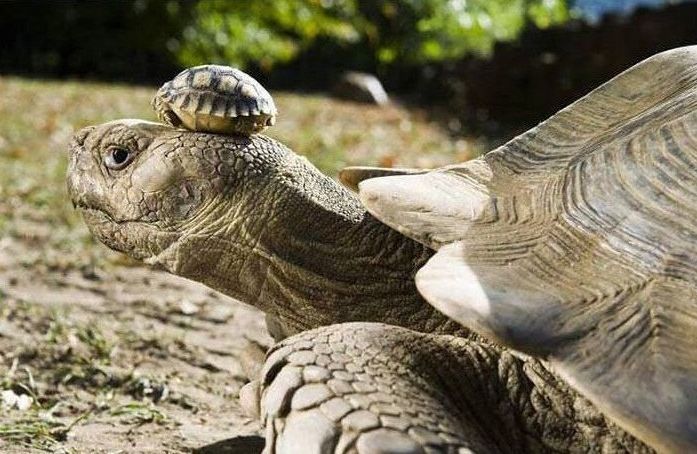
[376, 388]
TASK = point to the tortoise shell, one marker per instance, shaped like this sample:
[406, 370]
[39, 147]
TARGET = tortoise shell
[576, 242]
[216, 99]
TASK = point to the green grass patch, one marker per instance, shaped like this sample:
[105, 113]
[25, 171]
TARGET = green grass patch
[34, 433]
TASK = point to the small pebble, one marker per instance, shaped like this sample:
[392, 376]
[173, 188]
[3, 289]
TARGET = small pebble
[22, 402]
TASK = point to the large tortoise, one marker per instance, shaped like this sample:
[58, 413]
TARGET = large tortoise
[565, 275]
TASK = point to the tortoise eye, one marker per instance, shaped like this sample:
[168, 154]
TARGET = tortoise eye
[118, 157]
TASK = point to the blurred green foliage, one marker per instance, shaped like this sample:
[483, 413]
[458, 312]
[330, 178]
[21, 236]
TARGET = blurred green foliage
[421, 31]
[406, 32]
[265, 33]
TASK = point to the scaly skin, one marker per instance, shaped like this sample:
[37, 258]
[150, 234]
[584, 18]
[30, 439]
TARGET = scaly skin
[370, 386]
[247, 217]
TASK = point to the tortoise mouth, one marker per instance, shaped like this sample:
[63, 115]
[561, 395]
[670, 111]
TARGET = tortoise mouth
[123, 235]
[93, 212]
[102, 226]
[100, 213]
[98, 219]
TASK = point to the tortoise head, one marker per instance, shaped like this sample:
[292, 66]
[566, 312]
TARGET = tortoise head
[155, 193]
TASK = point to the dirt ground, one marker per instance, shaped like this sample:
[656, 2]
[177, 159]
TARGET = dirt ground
[102, 355]
[124, 359]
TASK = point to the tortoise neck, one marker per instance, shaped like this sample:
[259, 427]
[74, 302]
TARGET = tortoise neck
[322, 259]
[334, 262]
[337, 263]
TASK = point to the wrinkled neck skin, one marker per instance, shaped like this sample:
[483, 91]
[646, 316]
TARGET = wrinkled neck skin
[302, 248]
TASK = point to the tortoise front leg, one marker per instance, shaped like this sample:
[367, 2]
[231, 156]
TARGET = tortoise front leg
[357, 387]
[376, 388]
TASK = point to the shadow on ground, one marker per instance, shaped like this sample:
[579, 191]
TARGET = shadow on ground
[250, 444]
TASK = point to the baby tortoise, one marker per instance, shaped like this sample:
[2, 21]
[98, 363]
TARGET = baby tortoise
[217, 99]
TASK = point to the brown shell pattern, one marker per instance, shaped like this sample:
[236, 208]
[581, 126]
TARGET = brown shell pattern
[577, 242]
[214, 98]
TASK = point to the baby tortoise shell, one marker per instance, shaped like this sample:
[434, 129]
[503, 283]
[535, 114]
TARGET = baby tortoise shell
[217, 99]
